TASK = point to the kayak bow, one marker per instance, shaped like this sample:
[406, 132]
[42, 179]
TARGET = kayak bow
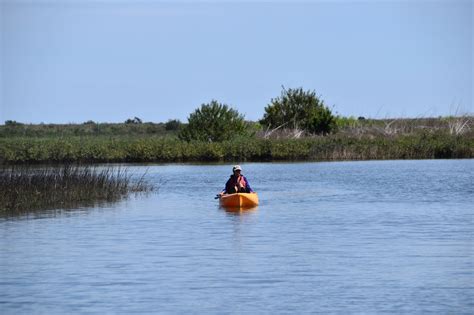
[239, 200]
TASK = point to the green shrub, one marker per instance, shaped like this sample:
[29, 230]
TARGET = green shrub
[298, 109]
[213, 122]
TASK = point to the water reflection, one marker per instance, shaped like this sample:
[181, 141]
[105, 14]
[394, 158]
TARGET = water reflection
[239, 210]
[48, 212]
[69, 209]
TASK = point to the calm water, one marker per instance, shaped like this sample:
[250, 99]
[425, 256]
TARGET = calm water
[370, 237]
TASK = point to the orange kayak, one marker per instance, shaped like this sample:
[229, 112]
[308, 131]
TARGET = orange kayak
[239, 200]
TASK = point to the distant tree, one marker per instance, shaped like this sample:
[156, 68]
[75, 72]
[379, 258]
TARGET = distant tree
[135, 120]
[173, 125]
[12, 123]
[89, 122]
[296, 108]
[213, 122]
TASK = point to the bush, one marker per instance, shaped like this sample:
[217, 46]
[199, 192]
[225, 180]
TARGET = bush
[213, 122]
[299, 109]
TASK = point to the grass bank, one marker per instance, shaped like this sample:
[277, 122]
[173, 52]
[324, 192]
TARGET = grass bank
[355, 139]
[25, 188]
[340, 146]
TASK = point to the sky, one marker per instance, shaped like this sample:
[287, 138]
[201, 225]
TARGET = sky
[70, 61]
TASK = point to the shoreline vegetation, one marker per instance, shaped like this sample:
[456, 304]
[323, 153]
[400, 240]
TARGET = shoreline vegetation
[24, 189]
[135, 141]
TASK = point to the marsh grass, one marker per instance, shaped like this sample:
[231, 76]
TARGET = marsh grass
[388, 128]
[356, 139]
[454, 125]
[15, 129]
[425, 144]
[25, 188]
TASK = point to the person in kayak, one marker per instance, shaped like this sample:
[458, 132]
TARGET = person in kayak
[237, 182]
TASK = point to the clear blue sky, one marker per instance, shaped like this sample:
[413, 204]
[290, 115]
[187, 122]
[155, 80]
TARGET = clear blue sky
[73, 61]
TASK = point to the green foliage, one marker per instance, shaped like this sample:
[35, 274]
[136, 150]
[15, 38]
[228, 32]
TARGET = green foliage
[213, 122]
[299, 109]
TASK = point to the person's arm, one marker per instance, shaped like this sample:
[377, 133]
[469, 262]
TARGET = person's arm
[224, 191]
[247, 185]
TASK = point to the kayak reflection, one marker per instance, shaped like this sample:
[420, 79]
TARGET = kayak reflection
[239, 210]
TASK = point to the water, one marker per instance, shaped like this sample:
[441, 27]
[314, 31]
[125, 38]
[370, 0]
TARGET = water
[348, 237]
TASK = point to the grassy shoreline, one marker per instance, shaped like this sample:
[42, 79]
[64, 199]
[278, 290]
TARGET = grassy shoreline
[155, 149]
[427, 138]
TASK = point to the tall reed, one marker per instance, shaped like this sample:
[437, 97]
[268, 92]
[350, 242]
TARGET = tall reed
[26, 188]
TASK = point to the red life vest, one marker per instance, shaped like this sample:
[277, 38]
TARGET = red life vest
[235, 181]
[242, 182]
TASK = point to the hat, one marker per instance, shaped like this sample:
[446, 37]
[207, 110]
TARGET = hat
[236, 168]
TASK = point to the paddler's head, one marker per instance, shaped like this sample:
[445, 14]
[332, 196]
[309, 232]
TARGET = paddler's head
[237, 169]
